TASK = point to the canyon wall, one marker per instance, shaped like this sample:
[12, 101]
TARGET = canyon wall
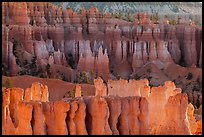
[150, 113]
[79, 116]
[68, 39]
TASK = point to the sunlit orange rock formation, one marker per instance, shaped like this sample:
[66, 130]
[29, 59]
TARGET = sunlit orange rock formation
[162, 111]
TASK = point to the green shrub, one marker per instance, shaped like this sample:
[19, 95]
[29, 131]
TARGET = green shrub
[70, 94]
[83, 77]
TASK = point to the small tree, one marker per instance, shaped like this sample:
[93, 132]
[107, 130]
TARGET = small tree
[33, 66]
[83, 77]
[7, 83]
[70, 94]
[47, 68]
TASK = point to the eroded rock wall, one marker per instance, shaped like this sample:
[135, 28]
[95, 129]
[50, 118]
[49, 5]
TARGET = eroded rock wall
[150, 113]
[44, 30]
[80, 116]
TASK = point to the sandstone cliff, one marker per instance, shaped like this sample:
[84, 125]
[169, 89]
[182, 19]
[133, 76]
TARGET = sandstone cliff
[130, 115]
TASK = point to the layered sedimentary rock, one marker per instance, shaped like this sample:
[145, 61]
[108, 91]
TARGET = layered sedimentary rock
[45, 30]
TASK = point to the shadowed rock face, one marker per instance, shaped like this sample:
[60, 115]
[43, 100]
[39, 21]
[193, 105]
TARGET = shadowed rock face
[92, 42]
[100, 115]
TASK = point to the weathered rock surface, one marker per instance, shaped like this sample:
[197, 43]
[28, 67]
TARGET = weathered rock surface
[16, 95]
[45, 30]
[78, 91]
[37, 92]
[100, 87]
[55, 115]
[114, 105]
[133, 115]
[97, 104]
[79, 118]
[38, 118]
[7, 124]
[175, 121]
[24, 121]
[71, 126]
[191, 118]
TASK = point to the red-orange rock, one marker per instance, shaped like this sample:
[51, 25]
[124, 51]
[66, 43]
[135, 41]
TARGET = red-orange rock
[175, 121]
[79, 118]
[7, 124]
[100, 87]
[56, 125]
[191, 118]
[123, 121]
[16, 95]
[199, 129]
[189, 47]
[103, 60]
[97, 123]
[37, 92]
[38, 119]
[24, 125]
[78, 90]
[114, 105]
[71, 126]
[133, 117]
[156, 107]
[143, 117]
